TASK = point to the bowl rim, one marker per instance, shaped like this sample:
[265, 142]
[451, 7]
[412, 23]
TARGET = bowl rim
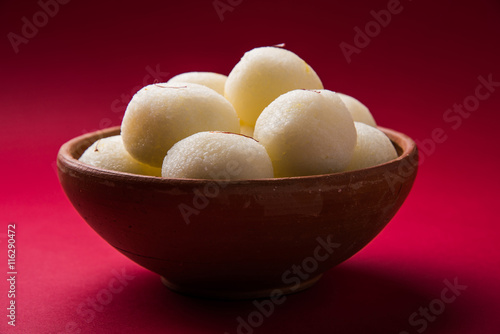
[67, 158]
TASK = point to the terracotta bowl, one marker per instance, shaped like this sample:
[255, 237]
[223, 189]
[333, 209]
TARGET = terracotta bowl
[237, 239]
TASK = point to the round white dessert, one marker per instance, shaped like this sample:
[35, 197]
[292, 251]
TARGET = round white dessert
[160, 115]
[359, 112]
[262, 75]
[307, 132]
[246, 130]
[212, 80]
[373, 147]
[109, 153]
[217, 155]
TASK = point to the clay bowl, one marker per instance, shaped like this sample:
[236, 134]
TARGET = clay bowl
[237, 239]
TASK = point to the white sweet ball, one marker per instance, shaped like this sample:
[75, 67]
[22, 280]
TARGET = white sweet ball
[217, 155]
[373, 147]
[212, 80]
[160, 115]
[262, 75]
[359, 112]
[246, 130]
[307, 133]
[109, 153]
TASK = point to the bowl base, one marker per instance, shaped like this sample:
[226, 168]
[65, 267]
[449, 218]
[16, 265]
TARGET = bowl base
[235, 295]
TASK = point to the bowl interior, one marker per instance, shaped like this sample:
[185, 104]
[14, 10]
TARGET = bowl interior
[74, 148]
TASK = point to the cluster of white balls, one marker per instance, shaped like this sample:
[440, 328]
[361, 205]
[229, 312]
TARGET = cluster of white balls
[270, 117]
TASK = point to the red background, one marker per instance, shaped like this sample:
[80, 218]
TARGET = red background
[69, 79]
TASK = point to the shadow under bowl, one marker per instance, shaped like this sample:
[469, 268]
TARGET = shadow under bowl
[237, 239]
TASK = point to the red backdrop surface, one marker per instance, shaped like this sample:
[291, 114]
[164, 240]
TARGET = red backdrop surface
[75, 69]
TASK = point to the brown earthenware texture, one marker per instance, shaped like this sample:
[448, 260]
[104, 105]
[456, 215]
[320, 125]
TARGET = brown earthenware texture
[237, 239]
